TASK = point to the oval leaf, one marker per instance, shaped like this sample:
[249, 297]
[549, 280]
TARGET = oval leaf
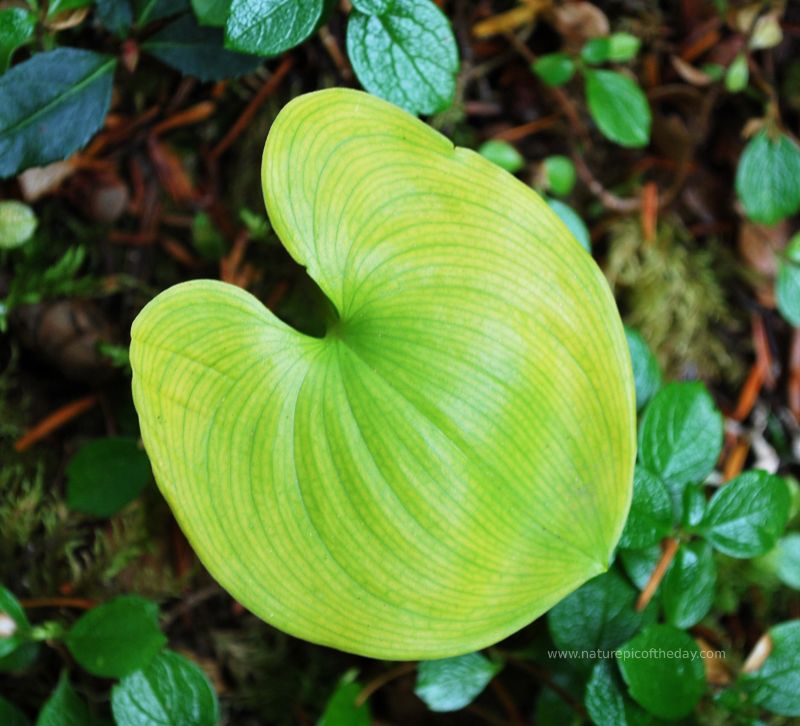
[414, 484]
[407, 55]
[269, 27]
[776, 685]
[688, 588]
[169, 690]
[618, 107]
[651, 516]
[52, 104]
[117, 638]
[453, 683]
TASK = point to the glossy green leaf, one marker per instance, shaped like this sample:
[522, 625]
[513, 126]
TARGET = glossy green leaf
[738, 74]
[595, 51]
[768, 178]
[212, 12]
[169, 690]
[16, 29]
[680, 438]
[197, 51]
[776, 685]
[787, 285]
[618, 107]
[788, 560]
[572, 221]
[555, 69]
[451, 684]
[105, 475]
[599, 616]
[406, 54]
[639, 564]
[664, 671]
[688, 588]
[52, 104]
[17, 224]
[117, 638]
[560, 173]
[746, 517]
[64, 707]
[617, 48]
[694, 505]
[646, 370]
[15, 630]
[503, 154]
[10, 715]
[269, 27]
[454, 456]
[342, 709]
[606, 701]
[115, 15]
[651, 514]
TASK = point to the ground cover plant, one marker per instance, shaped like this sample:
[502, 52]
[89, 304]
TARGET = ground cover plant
[664, 137]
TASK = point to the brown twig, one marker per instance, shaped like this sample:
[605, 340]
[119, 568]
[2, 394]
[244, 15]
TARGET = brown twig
[669, 549]
[793, 385]
[82, 603]
[54, 421]
[195, 114]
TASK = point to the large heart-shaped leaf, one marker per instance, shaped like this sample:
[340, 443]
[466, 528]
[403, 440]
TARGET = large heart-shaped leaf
[454, 456]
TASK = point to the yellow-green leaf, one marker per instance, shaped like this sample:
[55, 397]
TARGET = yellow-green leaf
[454, 456]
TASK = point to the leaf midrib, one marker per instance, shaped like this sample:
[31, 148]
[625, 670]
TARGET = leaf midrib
[71, 91]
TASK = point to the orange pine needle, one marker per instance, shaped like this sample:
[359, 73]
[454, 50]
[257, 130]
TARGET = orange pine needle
[55, 421]
[670, 548]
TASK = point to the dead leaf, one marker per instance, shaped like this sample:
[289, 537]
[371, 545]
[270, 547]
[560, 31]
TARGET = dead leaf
[578, 22]
[689, 73]
[38, 181]
[525, 13]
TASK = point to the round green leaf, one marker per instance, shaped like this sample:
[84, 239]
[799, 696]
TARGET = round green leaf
[453, 683]
[52, 104]
[646, 371]
[599, 616]
[169, 690]
[788, 560]
[560, 173]
[618, 107]
[105, 475]
[117, 638]
[651, 516]
[768, 178]
[664, 671]
[17, 224]
[680, 438]
[555, 69]
[776, 685]
[454, 456]
[688, 588]
[746, 516]
[787, 286]
[269, 27]
[64, 707]
[573, 222]
[406, 54]
[503, 154]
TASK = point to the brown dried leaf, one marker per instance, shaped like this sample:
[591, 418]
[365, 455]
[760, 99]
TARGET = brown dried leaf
[580, 21]
[38, 181]
[689, 73]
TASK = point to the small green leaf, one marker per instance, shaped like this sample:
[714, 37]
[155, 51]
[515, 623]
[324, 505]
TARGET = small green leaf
[116, 16]
[680, 438]
[651, 516]
[197, 51]
[14, 633]
[639, 564]
[270, 27]
[788, 560]
[17, 224]
[341, 709]
[148, 11]
[572, 221]
[555, 69]
[787, 285]
[618, 107]
[560, 172]
[623, 47]
[453, 683]
[10, 715]
[16, 29]
[212, 12]
[64, 707]
[596, 51]
[407, 55]
[694, 505]
[746, 517]
[52, 104]
[503, 154]
[776, 685]
[599, 616]
[117, 638]
[688, 588]
[738, 74]
[169, 690]
[664, 671]
[105, 475]
[646, 370]
[768, 178]
[606, 702]
[206, 238]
